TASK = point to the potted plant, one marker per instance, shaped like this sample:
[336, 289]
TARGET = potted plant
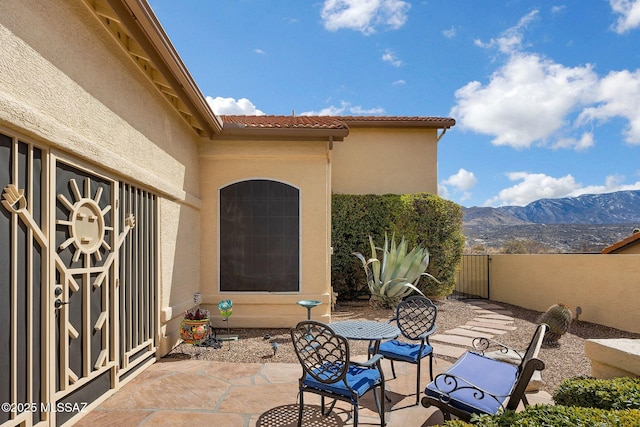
[397, 274]
[195, 327]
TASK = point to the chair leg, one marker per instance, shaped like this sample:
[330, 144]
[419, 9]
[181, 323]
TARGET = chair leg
[393, 369]
[418, 383]
[431, 366]
[300, 409]
[383, 421]
[355, 414]
[380, 402]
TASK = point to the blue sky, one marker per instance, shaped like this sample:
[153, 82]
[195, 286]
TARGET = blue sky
[546, 95]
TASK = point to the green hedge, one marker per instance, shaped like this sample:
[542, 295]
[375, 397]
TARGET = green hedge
[555, 416]
[424, 219]
[615, 393]
[580, 401]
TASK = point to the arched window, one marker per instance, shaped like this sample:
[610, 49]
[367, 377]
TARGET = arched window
[259, 237]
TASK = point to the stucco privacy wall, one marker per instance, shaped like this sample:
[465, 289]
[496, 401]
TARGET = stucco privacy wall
[64, 82]
[374, 160]
[604, 286]
[301, 164]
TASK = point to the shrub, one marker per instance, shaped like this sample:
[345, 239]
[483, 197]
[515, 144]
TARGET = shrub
[353, 220]
[425, 220]
[436, 224]
[615, 393]
[556, 416]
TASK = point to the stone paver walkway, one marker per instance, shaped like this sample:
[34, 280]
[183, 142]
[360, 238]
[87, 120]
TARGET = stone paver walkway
[491, 320]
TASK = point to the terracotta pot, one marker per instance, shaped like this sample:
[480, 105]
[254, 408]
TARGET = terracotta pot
[194, 331]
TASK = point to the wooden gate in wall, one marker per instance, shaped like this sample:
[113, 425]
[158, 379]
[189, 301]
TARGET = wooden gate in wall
[78, 281]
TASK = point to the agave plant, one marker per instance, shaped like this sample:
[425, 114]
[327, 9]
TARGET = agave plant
[397, 274]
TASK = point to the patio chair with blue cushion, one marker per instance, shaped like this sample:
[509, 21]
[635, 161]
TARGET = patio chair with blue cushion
[477, 384]
[416, 319]
[328, 371]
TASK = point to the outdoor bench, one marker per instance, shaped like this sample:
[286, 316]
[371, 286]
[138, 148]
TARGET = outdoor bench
[477, 384]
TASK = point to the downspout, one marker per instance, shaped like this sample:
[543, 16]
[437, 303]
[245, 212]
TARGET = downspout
[329, 242]
[439, 137]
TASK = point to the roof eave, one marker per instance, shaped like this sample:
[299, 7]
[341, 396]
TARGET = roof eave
[398, 123]
[622, 244]
[138, 18]
[242, 131]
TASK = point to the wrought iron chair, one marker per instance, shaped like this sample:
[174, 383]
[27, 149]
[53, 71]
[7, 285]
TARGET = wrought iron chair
[416, 319]
[328, 371]
[477, 384]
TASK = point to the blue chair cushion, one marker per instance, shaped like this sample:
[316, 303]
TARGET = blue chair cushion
[404, 351]
[492, 376]
[360, 379]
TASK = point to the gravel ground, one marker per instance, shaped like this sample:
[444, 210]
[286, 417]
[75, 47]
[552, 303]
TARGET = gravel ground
[564, 361]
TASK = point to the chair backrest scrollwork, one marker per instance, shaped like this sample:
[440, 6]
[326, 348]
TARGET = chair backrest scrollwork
[415, 316]
[323, 354]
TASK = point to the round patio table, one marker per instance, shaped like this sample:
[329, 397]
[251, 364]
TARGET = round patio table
[366, 330]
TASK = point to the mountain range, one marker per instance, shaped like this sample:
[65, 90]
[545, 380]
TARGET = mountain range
[587, 223]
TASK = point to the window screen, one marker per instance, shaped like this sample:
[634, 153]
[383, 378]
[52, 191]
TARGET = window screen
[259, 237]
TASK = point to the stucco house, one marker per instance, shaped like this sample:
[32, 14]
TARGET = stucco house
[123, 194]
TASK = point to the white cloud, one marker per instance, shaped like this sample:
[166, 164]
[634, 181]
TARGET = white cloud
[345, 108]
[619, 96]
[534, 100]
[327, 111]
[374, 111]
[585, 142]
[535, 186]
[398, 83]
[259, 51]
[463, 180]
[629, 11]
[390, 57]
[443, 191]
[229, 106]
[364, 15]
[510, 41]
[527, 100]
[450, 33]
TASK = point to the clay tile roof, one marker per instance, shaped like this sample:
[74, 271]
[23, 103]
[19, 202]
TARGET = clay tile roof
[286, 122]
[411, 121]
[628, 241]
[336, 127]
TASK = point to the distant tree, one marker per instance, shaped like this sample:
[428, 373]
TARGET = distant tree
[517, 246]
[588, 248]
[476, 249]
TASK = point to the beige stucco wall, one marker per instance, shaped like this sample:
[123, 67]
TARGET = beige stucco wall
[303, 164]
[65, 82]
[390, 160]
[606, 287]
[629, 249]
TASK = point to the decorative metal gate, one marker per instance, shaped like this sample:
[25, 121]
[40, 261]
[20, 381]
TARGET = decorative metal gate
[78, 280]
